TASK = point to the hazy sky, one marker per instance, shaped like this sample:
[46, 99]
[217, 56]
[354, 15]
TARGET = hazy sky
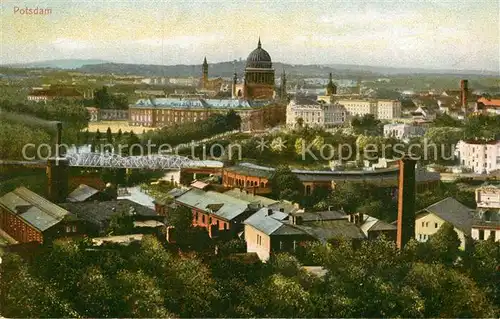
[408, 33]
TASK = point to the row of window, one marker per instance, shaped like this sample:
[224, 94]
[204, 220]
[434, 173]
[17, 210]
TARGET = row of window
[426, 224]
[483, 233]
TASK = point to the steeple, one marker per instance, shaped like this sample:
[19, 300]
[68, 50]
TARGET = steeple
[204, 69]
[205, 61]
[283, 94]
[331, 89]
[259, 45]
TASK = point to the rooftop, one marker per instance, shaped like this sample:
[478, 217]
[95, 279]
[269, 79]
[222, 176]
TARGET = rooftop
[197, 103]
[221, 205]
[98, 212]
[453, 212]
[33, 208]
[82, 193]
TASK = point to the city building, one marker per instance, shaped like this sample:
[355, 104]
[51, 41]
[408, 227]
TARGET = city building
[308, 112]
[449, 210]
[403, 131]
[51, 94]
[207, 84]
[257, 179]
[488, 106]
[28, 217]
[388, 109]
[169, 111]
[479, 156]
[97, 114]
[95, 216]
[258, 82]
[486, 223]
[269, 231]
[359, 107]
[222, 215]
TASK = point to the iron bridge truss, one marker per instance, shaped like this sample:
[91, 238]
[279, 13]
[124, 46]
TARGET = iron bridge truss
[140, 162]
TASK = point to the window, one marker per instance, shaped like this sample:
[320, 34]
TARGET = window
[481, 234]
[73, 228]
[203, 218]
[259, 240]
[423, 224]
[427, 224]
[435, 225]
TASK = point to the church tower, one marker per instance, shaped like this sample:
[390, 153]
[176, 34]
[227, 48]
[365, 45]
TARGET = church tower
[283, 94]
[331, 88]
[204, 78]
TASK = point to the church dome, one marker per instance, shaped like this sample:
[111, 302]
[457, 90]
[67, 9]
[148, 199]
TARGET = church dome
[259, 58]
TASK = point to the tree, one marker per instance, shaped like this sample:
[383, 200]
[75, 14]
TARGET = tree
[300, 122]
[445, 244]
[286, 185]
[109, 135]
[119, 135]
[102, 98]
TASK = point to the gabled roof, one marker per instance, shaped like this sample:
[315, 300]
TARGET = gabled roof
[453, 212]
[98, 212]
[373, 224]
[82, 193]
[268, 224]
[489, 102]
[244, 195]
[228, 207]
[33, 208]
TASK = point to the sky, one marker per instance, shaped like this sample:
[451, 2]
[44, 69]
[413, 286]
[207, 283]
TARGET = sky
[461, 35]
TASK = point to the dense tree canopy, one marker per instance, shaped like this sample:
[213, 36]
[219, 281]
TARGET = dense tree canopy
[145, 280]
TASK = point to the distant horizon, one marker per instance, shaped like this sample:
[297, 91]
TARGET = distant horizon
[102, 61]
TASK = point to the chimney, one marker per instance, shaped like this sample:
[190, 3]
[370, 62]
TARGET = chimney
[297, 220]
[282, 210]
[406, 201]
[57, 172]
[269, 212]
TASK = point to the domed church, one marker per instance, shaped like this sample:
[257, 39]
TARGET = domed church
[258, 83]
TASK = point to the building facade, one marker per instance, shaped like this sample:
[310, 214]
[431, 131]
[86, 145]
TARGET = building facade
[314, 114]
[449, 210]
[488, 106]
[388, 109]
[479, 157]
[486, 224]
[360, 107]
[28, 217]
[403, 131]
[255, 115]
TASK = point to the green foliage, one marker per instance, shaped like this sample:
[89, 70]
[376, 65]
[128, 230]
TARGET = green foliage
[193, 131]
[367, 125]
[482, 127]
[104, 100]
[287, 185]
[445, 120]
[372, 280]
[121, 224]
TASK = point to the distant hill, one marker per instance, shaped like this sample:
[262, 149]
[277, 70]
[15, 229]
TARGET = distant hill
[58, 64]
[226, 69]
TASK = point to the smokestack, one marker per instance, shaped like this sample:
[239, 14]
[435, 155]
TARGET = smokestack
[406, 201]
[464, 92]
[58, 171]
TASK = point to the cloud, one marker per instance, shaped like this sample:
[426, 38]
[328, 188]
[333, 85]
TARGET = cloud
[181, 41]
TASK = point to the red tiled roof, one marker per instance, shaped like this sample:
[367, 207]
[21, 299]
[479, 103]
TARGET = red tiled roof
[487, 102]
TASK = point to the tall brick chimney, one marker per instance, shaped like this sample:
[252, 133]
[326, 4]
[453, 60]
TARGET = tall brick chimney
[57, 172]
[406, 201]
[464, 94]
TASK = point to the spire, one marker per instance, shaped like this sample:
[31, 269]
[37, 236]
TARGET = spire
[259, 45]
[205, 61]
[331, 80]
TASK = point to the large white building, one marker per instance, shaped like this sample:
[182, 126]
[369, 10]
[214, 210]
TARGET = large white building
[359, 107]
[388, 109]
[314, 113]
[487, 221]
[403, 131]
[480, 157]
